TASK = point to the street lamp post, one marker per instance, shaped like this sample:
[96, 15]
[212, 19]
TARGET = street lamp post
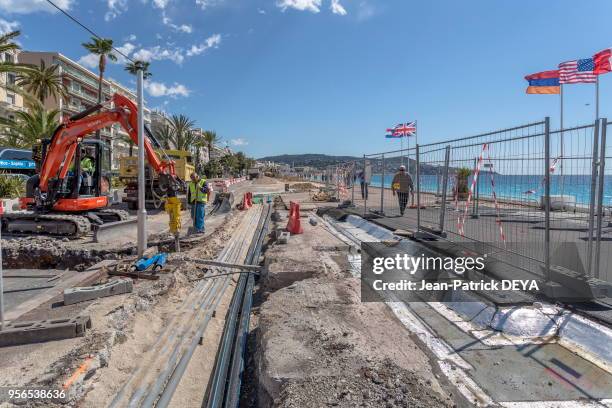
[142, 211]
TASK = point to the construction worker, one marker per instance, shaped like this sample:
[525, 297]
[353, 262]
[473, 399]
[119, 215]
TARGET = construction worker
[87, 164]
[403, 186]
[197, 196]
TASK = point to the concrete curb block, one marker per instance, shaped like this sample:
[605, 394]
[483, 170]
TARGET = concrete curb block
[27, 332]
[85, 293]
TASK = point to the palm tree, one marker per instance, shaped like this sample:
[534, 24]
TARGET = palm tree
[28, 127]
[7, 45]
[182, 131]
[198, 144]
[211, 138]
[102, 47]
[133, 67]
[42, 81]
[165, 135]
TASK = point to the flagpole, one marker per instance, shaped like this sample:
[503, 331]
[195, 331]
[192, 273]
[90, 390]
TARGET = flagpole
[597, 97]
[402, 150]
[562, 143]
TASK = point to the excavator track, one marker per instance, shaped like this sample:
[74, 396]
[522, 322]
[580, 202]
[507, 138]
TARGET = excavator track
[113, 215]
[62, 225]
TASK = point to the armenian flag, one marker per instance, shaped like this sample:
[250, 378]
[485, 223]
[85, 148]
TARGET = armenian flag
[546, 82]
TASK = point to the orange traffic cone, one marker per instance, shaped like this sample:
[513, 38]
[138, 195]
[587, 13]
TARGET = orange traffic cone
[293, 224]
[244, 204]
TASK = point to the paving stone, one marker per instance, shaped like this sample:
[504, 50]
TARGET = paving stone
[85, 293]
[26, 332]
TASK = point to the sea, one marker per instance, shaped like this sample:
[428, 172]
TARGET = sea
[517, 187]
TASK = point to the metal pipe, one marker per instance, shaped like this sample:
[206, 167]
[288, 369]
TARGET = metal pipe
[602, 165]
[418, 186]
[592, 199]
[444, 188]
[547, 198]
[181, 366]
[237, 366]
[222, 374]
[382, 186]
[476, 194]
[142, 211]
[169, 340]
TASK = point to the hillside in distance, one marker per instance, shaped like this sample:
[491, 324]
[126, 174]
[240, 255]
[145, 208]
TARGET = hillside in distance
[315, 160]
[320, 161]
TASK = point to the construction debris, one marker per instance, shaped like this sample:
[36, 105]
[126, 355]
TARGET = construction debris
[283, 237]
[85, 293]
[301, 187]
[27, 332]
[323, 196]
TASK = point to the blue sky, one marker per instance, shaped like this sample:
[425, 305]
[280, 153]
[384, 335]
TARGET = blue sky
[328, 76]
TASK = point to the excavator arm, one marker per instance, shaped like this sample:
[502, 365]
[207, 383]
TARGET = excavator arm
[63, 144]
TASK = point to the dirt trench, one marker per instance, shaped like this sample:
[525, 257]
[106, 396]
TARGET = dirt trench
[314, 343]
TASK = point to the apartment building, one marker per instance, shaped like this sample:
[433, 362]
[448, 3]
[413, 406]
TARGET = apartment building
[10, 102]
[82, 87]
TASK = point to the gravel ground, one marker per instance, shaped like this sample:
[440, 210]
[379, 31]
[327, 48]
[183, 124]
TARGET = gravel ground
[381, 384]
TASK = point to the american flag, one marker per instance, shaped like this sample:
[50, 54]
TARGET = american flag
[403, 129]
[577, 71]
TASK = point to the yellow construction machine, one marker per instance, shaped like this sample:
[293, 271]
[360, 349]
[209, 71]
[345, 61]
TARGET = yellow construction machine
[128, 174]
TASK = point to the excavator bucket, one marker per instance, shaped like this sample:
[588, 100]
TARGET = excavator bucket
[118, 231]
[223, 203]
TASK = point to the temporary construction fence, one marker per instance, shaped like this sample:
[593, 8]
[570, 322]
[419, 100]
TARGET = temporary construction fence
[528, 196]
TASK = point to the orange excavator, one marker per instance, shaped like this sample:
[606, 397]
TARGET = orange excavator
[71, 191]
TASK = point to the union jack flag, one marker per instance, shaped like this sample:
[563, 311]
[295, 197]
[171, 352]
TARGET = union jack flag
[403, 130]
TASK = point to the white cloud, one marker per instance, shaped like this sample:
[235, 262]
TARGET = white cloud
[158, 53]
[184, 28]
[89, 61]
[313, 6]
[8, 26]
[337, 8]
[239, 142]
[125, 49]
[161, 4]
[131, 37]
[204, 4]
[211, 42]
[261, 11]
[115, 8]
[31, 6]
[159, 89]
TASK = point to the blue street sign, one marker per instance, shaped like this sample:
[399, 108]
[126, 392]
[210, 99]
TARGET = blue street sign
[17, 164]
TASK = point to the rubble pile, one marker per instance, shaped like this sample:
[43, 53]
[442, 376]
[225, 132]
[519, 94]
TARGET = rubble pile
[382, 384]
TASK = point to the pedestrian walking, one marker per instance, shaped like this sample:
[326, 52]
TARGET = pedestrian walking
[364, 185]
[197, 197]
[403, 186]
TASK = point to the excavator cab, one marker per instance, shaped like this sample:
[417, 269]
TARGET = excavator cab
[89, 174]
[91, 170]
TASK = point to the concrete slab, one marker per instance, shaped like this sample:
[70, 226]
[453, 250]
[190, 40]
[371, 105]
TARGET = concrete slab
[16, 333]
[85, 293]
[68, 279]
[116, 231]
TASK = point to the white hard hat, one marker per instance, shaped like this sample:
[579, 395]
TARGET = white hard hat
[402, 167]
